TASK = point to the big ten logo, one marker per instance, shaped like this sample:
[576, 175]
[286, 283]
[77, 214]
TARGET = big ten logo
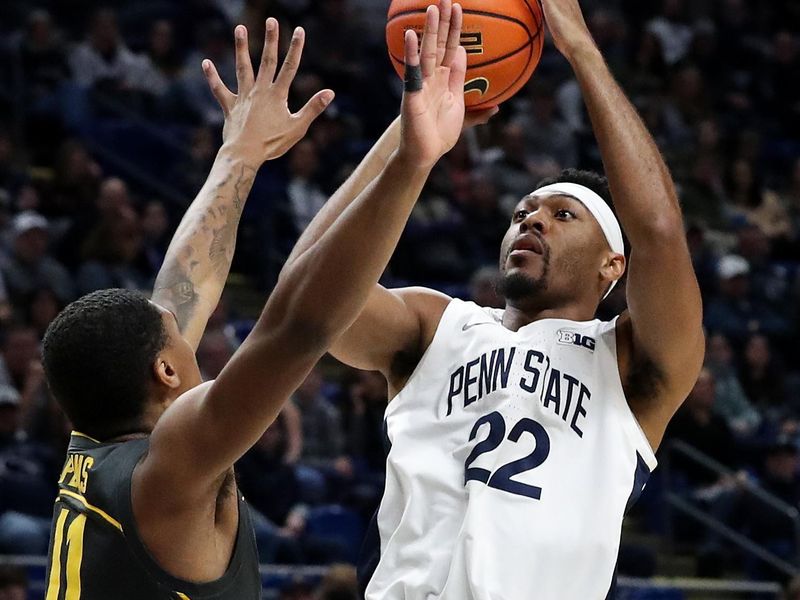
[571, 338]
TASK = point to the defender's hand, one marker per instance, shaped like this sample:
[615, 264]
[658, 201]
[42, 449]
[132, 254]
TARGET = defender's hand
[565, 21]
[432, 117]
[257, 118]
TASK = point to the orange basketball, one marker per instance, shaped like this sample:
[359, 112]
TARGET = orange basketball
[503, 39]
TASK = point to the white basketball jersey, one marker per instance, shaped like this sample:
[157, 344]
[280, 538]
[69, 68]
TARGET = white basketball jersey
[513, 458]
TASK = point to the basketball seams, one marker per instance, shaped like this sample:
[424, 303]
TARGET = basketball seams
[479, 13]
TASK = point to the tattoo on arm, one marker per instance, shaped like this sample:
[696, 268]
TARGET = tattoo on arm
[223, 241]
[186, 268]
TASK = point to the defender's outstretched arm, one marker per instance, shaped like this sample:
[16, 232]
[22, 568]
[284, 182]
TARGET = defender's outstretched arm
[663, 329]
[316, 298]
[198, 260]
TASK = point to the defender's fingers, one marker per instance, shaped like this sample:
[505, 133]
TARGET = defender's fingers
[244, 68]
[454, 37]
[429, 44]
[413, 74]
[292, 61]
[314, 107]
[442, 35]
[224, 96]
[458, 72]
[269, 56]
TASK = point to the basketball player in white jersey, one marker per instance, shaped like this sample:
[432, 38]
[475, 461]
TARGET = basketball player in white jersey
[519, 437]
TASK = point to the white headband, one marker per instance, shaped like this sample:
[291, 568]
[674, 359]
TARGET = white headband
[599, 209]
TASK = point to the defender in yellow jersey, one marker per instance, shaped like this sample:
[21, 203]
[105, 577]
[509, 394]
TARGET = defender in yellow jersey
[147, 506]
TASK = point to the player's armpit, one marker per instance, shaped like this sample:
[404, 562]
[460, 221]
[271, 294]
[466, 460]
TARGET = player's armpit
[392, 332]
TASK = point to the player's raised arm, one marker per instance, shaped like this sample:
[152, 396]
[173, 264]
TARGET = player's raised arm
[661, 339]
[390, 321]
[258, 128]
[317, 296]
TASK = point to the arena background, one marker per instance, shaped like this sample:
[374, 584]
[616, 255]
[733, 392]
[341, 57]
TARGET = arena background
[107, 130]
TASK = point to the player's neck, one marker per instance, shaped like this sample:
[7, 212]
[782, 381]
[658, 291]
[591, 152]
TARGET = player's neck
[516, 317]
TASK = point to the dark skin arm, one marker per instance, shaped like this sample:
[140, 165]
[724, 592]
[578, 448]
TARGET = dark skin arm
[182, 516]
[396, 326]
[200, 436]
[660, 338]
[198, 259]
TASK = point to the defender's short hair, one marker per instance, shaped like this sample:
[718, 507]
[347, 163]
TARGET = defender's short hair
[98, 355]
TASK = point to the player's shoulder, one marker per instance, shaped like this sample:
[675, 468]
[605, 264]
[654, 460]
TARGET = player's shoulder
[427, 304]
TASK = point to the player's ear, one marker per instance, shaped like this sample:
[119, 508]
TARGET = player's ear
[613, 267]
[166, 373]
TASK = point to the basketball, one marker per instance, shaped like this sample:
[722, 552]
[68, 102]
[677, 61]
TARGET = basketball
[503, 39]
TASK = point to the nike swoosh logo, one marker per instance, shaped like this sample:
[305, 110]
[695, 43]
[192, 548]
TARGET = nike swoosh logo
[469, 326]
[479, 84]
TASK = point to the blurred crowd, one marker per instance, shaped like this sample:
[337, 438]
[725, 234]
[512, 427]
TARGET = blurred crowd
[107, 131]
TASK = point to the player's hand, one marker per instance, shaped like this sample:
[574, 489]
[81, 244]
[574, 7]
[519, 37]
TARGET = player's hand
[567, 26]
[258, 122]
[432, 117]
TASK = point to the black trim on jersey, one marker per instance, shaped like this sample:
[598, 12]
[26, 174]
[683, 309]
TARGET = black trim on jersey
[370, 554]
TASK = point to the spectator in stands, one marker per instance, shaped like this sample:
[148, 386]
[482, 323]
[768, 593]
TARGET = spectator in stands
[779, 476]
[75, 184]
[730, 401]
[13, 583]
[41, 307]
[12, 174]
[367, 399]
[754, 204]
[324, 469]
[698, 425]
[155, 235]
[735, 312]
[763, 376]
[43, 59]
[30, 266]
[672, 31]
[215, 350]
[303, 192]
[549, 139]
[20, 350]
[113, 255]
[483, 288]
[103, 61]
[161, 63]
[509, 163]
[28, 484]
[214, 45]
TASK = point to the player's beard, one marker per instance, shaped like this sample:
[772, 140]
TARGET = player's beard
[518, 286]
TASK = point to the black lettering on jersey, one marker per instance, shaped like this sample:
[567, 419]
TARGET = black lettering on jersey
[553, 393]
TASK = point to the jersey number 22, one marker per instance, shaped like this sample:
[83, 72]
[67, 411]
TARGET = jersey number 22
[501, 478]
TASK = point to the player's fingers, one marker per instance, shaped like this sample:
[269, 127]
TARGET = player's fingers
[314, 108]
[445, 13]
[454, 36]
[269, 56]
[428, 51]
[413, 73]
[458, 72]
[220, 91]
[244, 68]
[292, 61]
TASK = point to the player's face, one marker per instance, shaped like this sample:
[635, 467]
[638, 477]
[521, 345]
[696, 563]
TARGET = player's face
[553, 247]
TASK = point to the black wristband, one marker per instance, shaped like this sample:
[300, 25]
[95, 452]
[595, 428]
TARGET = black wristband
[413, 78]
